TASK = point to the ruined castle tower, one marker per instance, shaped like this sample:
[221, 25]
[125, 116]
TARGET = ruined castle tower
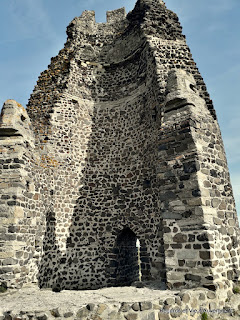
[119, 143]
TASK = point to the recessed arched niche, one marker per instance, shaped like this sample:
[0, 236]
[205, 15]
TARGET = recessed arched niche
[126, 263]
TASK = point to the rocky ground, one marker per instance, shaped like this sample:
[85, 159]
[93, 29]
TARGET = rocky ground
[121, 303]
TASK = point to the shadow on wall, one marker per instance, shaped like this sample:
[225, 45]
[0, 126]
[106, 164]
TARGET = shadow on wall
[54, 270]
[49, 264]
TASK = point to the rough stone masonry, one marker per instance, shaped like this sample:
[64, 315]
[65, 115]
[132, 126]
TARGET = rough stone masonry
[119, 143]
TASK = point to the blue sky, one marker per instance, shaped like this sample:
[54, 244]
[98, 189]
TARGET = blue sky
[32, 31]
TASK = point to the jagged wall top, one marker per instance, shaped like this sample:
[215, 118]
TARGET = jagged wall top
[86, 23]
[114, 15]
[88, 16]
[151, 15]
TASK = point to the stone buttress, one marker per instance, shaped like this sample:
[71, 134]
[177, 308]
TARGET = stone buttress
[119, 145]
[18, 210]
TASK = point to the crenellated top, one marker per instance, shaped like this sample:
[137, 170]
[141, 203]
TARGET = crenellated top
[86, 24]
[151, 16]
[116, 15]
[88, 16]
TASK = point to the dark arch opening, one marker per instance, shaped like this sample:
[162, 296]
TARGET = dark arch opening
[126, 263]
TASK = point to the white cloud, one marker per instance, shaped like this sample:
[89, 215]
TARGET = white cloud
[227, 75]
[232, 146]
[219, 6]
[235, 179]
[202, 10]
[231, 136]
[216, 27]
[92, 2]
[30, 19]
[234, 123]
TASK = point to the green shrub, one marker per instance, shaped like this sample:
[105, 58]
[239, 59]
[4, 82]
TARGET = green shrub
[236, 290]
[204, 316]
[3, 289]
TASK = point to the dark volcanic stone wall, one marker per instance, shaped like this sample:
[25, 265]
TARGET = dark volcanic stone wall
[126, 138]
[101, 149]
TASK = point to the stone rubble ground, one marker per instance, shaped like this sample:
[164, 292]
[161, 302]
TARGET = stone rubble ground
[45, 299]
[30, 302]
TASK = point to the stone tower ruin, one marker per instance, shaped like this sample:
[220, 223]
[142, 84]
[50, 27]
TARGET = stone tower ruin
[119, 143]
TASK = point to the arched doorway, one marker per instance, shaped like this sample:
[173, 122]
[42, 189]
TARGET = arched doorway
[127, 262]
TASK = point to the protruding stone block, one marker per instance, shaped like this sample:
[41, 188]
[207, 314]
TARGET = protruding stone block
[14, 121]
[181, 90]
